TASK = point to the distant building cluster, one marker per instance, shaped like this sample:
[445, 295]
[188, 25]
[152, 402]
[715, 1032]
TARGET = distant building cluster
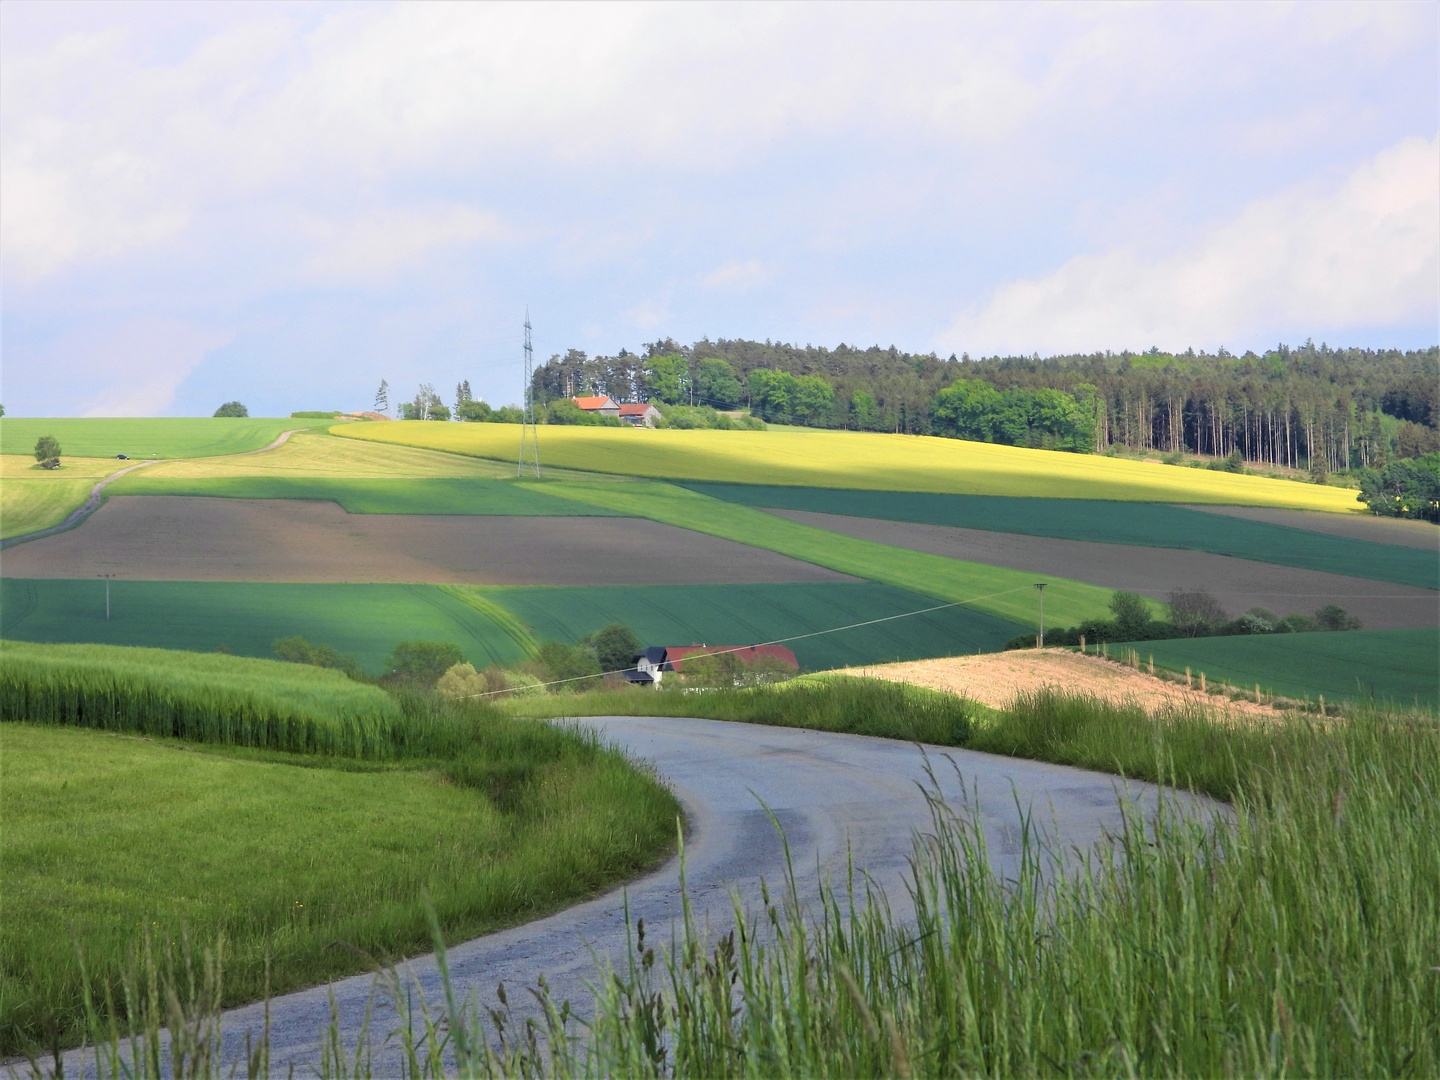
[637, 414]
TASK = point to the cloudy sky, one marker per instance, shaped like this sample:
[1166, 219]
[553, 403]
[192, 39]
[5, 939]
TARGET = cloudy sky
[284, 203]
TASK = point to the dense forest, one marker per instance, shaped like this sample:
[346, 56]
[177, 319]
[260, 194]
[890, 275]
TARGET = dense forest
[1311, 407]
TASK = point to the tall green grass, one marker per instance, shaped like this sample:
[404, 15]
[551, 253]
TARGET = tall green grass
[830, 703]
[1299, 940]
[210, 698]
[1299, 937]
[305, 809]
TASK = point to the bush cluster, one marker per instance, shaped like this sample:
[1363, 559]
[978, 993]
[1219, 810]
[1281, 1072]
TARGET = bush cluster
[1191, 613]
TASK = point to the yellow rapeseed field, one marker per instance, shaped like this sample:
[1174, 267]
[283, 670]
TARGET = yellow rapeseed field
[847, 459]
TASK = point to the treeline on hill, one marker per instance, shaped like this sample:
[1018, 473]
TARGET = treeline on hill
[1189, 613]
[1312, 407]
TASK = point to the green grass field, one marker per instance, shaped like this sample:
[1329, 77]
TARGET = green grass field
[750, 614]
[110, 840]
[1399, 667]
[162, 437]
[847, 459]
[418, 495]
[997, 590]
[1110, 522]
[246, 617]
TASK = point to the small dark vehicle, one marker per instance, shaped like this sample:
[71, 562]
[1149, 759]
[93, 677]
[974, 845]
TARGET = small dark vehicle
[122, 457]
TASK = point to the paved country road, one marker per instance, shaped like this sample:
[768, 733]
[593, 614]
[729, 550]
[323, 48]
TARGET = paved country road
[827, 791]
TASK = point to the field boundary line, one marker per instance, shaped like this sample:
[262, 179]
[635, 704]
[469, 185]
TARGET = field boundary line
[91, 504]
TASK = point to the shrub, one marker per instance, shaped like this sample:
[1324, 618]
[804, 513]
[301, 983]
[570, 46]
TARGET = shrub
[1132, 614]
[233, 409]
[1334, 617]
[296, 650]
[567, 665]
[47, 448]
[462, 681]
[1194, 611]
[615, 647]
[423, 662]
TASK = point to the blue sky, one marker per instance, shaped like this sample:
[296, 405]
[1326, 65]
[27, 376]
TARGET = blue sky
[285, 203]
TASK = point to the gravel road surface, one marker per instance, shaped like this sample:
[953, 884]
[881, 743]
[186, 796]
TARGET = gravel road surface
[826, 790]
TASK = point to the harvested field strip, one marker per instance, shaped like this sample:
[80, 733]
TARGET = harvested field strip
[418, 495]
[1111, 522]
[201, 697]
[364, 621]
[311, 454]
[1239, 584]
[164, 437]
[996, 679]
[1002, 592]
[1399, 667]
[844, 459]
[749, 614]
[27, 506]
[165, 538]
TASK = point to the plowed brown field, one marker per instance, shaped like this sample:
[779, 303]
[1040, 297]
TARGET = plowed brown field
[180, 538]
[1237, 583]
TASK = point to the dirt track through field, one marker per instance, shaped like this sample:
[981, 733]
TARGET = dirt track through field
[1237, 583]
[180, 538]
[995, 678]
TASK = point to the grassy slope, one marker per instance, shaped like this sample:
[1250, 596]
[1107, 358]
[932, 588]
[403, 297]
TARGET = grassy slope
[162, 437]
[363, 620]
[859, 460]
[999, 591]
[110, 837]
[415, 495]
[33, 498]
[1397, 666]
[1145, 524]
[747, 614]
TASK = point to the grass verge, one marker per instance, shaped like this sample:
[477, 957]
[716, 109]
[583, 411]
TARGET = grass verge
[110, 839]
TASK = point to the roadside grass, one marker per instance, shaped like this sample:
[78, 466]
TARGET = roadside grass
[374, 495]
[829, 703]
[1384, 668]
[113, 840]
[1109, 522]
[842, 459]
[1295, 938]
[997, 590]
[1298, 940]
[146, 437]
[363, 621]
[751, 614]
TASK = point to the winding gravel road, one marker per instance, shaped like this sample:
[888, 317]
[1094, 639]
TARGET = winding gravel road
[826, 790]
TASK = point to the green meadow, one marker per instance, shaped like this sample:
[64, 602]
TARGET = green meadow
[112, 840]
[364, 621]
[1106, 521]
[144, 437]
[417, 495]
[997, 590]
[1399, 668]
[749, 614]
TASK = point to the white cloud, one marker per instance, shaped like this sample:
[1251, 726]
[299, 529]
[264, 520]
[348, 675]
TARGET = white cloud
[1362, 255]
[375, 247]
[736, 275]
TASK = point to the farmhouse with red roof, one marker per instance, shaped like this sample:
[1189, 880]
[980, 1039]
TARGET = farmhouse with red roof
[652, 664]
[603, 405]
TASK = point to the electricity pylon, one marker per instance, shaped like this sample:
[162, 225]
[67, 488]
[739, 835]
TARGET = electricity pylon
[529, 433]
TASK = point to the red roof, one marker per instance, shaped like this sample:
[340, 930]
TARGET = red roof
[593, 403]
[639, 409]
[675, 655]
